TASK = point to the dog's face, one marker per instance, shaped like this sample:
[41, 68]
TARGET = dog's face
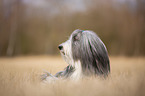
[66, 47]
[86, 47]
[78, 41]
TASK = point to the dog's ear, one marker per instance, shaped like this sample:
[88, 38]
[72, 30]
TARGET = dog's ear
[94, 56]
[100, 57]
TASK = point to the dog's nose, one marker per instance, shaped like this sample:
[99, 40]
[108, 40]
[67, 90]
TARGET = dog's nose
[60, 47]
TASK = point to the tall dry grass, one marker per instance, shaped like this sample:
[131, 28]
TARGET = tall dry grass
[20, 76]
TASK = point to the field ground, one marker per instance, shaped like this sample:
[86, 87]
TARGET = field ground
[20, 76]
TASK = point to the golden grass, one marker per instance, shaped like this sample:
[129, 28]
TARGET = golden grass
[20, 76]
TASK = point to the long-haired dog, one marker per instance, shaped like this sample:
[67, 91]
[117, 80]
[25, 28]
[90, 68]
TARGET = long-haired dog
[85, 54]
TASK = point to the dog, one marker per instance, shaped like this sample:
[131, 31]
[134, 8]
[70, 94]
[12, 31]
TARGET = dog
[85, 54]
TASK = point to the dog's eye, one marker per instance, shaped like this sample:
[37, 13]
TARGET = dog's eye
[76, 38]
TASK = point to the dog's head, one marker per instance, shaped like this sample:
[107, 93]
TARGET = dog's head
[86, 47]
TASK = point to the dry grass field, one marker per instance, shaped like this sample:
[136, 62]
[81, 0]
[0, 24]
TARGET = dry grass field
[20, 76]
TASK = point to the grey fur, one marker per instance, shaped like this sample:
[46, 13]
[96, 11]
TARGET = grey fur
[61, 74]
[91, 51]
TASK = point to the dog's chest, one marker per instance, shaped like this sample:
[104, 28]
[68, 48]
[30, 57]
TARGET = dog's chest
[77, 74]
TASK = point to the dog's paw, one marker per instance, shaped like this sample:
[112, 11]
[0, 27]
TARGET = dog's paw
[59, 74]
[45, 75]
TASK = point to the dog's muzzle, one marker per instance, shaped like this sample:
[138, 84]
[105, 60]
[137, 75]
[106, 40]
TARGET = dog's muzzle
[60, 47]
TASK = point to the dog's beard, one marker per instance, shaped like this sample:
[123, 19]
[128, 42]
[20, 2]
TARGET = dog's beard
[66, 53]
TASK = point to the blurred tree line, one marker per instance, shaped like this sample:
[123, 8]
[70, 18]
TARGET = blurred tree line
[28, 30]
